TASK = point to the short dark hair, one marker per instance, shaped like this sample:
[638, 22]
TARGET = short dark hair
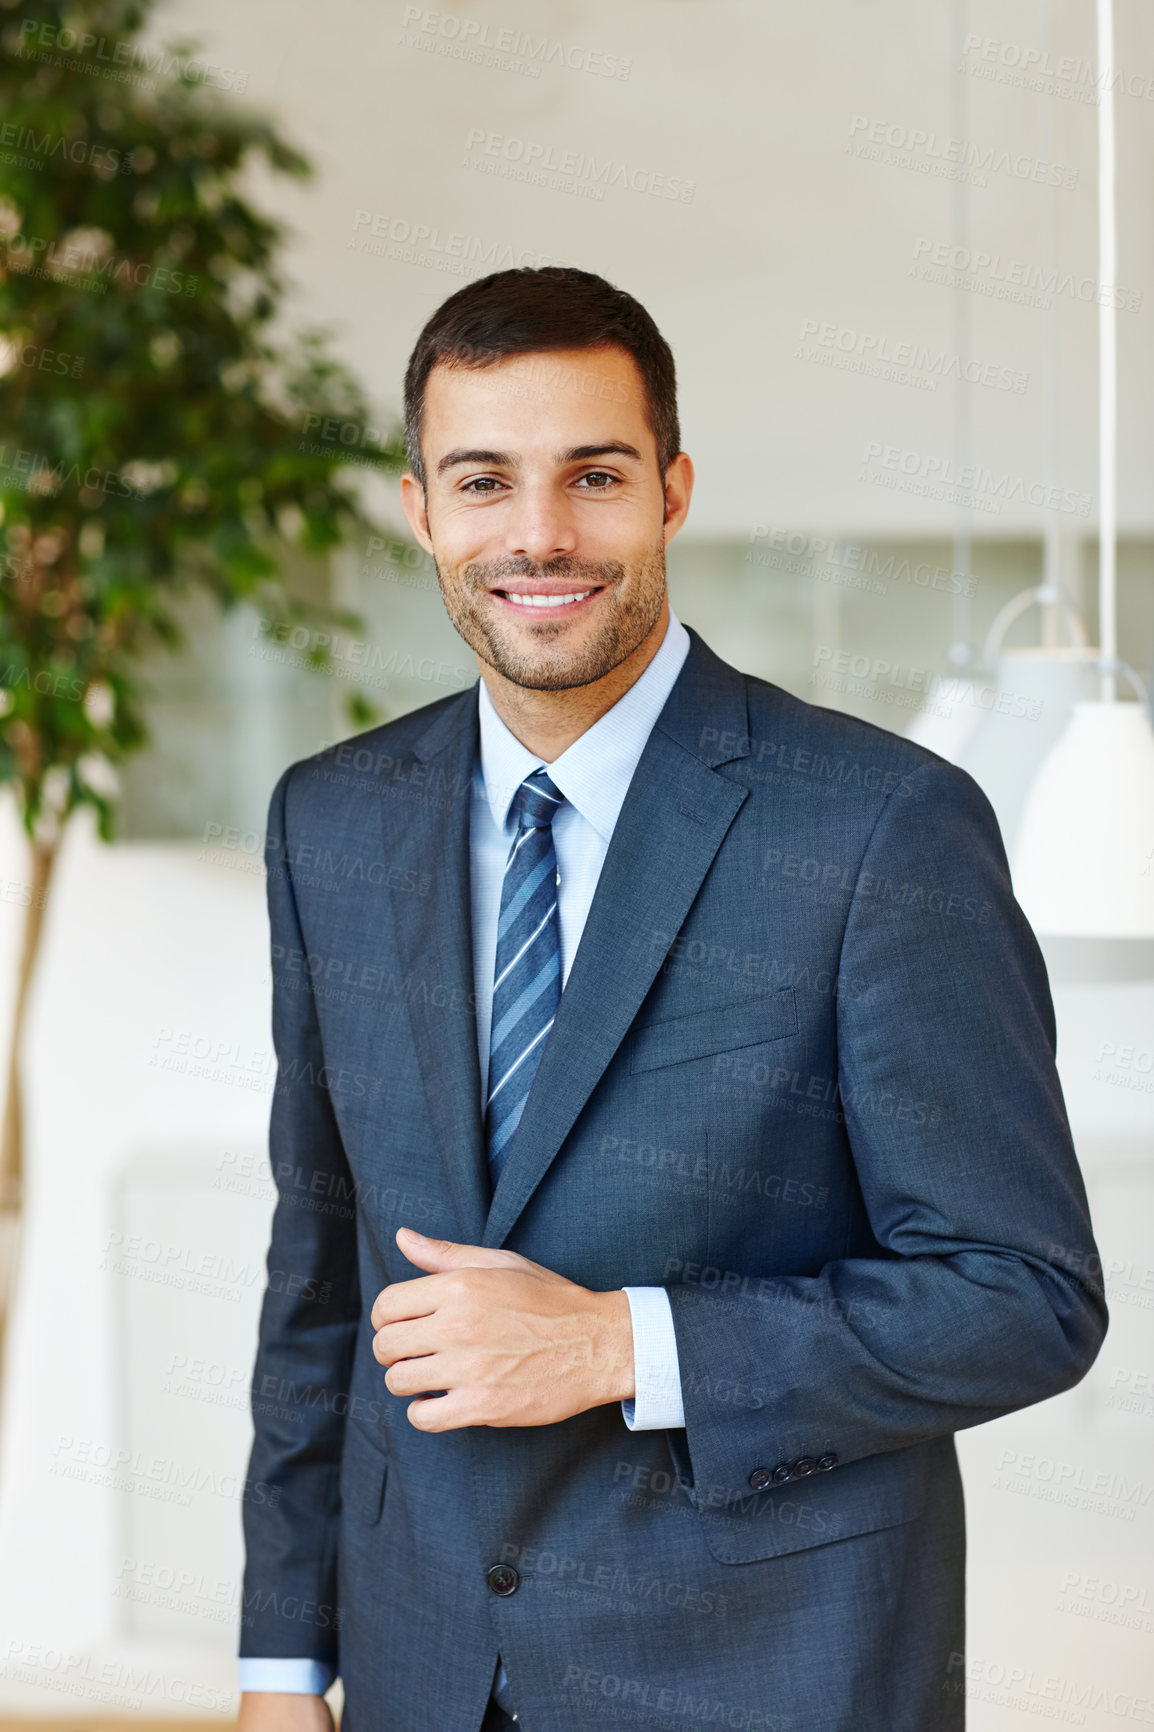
[522, 312]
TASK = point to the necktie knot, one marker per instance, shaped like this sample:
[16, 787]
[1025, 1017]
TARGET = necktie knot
[537, 801]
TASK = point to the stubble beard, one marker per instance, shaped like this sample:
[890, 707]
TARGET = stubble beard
[635, 596]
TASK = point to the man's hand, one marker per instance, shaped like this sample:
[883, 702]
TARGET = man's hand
[278, 1711]
[489, 1338]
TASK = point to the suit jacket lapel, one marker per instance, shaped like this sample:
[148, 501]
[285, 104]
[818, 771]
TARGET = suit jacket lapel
[675, 817]
[435, 944]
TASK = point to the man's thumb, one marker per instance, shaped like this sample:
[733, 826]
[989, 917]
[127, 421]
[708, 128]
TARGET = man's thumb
[436, 1255]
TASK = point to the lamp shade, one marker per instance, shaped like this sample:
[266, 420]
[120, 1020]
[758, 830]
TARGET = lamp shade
[1084, 862]
[1026, 709]
[945, 726]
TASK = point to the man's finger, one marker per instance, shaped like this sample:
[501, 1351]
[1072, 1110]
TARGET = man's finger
[442, 1412]
[420, 1377]
[440, 1255]
[403, 1300]
[410, 1339]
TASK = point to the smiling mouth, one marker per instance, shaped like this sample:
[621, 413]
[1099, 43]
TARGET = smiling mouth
[543, 603]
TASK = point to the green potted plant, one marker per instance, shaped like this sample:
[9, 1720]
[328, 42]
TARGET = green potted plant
[152, 422]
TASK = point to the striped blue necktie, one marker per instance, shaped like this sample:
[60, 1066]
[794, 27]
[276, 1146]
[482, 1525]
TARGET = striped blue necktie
[527, 975]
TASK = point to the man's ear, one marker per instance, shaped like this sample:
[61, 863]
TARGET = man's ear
[415, 506]
[678, 490]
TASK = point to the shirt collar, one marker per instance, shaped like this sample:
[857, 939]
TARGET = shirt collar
[593, 773]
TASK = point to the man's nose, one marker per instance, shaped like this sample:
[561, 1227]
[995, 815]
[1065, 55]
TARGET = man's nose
[541, 525]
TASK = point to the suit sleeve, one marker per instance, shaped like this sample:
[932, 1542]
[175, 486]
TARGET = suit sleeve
[309, 1317]
[975, 1302]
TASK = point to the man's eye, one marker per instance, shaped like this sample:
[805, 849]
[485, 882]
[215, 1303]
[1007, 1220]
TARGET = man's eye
[481, 484]
[598, 480]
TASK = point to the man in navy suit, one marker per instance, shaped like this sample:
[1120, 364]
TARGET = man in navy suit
[669, 1147]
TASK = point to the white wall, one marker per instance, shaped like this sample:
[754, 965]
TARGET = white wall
[753, 105]
[149, 1072]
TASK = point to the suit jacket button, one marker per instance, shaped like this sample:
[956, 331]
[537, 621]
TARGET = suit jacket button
[502, 1579]
[803, 1468]
[782, 1473]
[825, 1462]
[760, 1478]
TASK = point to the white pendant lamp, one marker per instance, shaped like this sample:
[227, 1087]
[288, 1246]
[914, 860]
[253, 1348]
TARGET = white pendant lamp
[1029, 700]
[1085, 859]
[948, 724]
[1084, 863]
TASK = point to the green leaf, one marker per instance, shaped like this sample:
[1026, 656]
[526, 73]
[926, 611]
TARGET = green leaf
[152, 431]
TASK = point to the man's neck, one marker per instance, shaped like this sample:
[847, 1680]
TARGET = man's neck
[546, 723]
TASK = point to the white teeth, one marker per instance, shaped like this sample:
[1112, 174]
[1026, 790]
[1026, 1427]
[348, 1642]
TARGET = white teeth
[546, 600]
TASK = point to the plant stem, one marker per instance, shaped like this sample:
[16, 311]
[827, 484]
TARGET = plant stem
[43, 859]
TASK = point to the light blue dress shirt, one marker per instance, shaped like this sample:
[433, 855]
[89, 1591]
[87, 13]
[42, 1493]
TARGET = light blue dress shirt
[594, 774]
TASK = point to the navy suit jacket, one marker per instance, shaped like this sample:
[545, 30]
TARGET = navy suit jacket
[802, 1075]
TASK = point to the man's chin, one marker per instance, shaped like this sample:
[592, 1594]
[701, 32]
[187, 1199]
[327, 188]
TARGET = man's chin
[555, 655]
[550, 673]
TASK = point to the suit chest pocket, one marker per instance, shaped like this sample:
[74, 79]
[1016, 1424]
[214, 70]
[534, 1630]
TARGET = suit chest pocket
[748, 1021]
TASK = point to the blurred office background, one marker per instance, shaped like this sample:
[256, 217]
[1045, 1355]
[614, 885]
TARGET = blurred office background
[869, 232]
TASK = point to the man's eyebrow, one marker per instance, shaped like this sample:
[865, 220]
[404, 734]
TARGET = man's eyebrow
[506, 460]
[615, 448]
[494, 459]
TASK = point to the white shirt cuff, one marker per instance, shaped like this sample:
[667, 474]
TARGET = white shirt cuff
[292, 1677]
[656, 1403]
